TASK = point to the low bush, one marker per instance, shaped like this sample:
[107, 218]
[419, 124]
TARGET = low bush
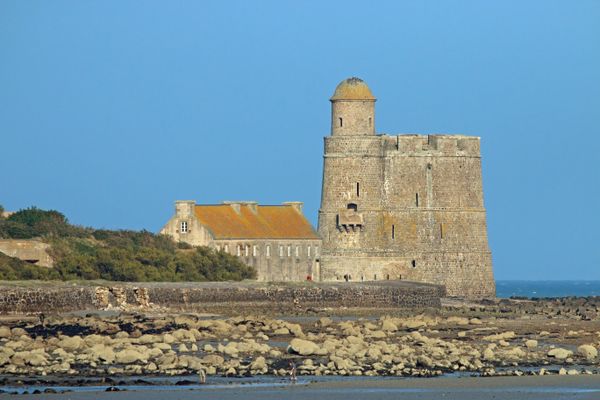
[86, 253]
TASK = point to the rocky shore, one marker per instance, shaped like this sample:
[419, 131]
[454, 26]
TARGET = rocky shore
[509, 337]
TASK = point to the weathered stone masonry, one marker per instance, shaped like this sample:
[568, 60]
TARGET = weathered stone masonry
[214, 296]
[401, 207]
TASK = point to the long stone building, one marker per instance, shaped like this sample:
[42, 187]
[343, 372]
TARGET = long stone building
[278, 241]
[401, 207]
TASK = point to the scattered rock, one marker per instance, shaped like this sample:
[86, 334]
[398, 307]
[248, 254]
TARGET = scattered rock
[304, 347]
[587, 351]
[559, 354]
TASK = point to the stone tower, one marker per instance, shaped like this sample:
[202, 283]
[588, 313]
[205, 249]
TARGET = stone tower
[401, 207]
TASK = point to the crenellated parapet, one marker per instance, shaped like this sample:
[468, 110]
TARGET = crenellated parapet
[439, 145]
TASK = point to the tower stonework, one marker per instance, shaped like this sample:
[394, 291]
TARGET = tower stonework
[401, 207]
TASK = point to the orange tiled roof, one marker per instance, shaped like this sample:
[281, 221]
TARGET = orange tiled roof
[269, 222]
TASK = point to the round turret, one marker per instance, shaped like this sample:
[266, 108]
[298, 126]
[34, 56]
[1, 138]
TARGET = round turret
[352, 109]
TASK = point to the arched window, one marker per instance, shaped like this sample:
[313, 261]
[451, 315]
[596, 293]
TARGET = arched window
[352, 206]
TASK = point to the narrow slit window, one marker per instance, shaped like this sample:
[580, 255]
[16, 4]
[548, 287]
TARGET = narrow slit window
[280, 251]
[341, 122]
[393, 231]
[417, 199]
[239, 250]
[414, 263]
[370, 121]
[254, 251]
[289, 251]
[357, 189]
[441, 231]
[297, 251]
[308, 250]
[268, 251]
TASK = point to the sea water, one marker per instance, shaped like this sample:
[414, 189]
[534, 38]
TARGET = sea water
[509, 288]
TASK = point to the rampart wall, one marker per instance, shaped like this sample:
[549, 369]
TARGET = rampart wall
[214, 296]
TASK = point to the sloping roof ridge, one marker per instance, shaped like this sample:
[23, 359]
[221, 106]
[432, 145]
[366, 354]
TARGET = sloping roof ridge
[243, 204]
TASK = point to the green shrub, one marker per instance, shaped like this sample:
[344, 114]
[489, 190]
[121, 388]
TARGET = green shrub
[84, 253]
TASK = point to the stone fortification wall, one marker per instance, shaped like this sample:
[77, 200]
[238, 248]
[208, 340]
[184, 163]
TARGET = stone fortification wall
[213, 296]
[419, 200]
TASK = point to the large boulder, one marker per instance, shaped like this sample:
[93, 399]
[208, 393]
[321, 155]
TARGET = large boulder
[560, 354]
[500, 336]
[94, 339]
[388, 326]
[70, 343]
[4, 359]
[587, 351]
[4, 332]
[102, 353]
[212, 360]
[531, 344]
[130, 356]
[304, 347]
[259, 365]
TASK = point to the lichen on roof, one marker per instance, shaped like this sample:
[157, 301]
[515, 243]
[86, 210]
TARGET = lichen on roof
[352, 89]
[253, 221]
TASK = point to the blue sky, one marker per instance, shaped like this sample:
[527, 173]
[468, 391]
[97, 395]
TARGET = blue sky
[111, 110]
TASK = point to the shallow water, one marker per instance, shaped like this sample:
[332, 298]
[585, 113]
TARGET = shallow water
[333, 387]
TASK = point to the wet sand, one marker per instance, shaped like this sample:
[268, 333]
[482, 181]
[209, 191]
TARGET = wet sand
[498, 388]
